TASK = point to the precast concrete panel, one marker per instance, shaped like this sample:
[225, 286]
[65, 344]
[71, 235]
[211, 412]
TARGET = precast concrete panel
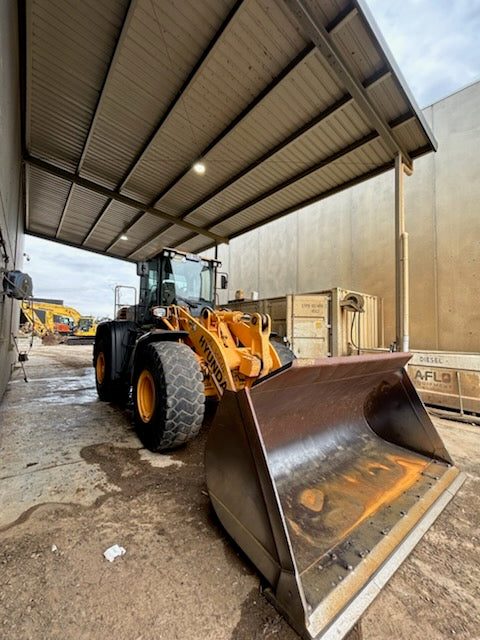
[244, 261]
[278, 256]
[457, 198]
[325, 244]
[11, 220]
[373, 244]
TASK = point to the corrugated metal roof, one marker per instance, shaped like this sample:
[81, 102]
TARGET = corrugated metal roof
[284, 101]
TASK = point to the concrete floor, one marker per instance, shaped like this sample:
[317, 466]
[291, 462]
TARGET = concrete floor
[75, 481]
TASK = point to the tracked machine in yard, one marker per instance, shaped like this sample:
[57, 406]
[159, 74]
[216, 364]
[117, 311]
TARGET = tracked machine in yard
[326, 474]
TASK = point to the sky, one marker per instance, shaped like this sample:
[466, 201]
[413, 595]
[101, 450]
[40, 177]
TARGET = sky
[436, 46]
[435, 43]
[84, 280]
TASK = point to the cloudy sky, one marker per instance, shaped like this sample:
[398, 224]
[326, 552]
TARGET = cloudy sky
[436, 46]
[82, 279]
[435, 43]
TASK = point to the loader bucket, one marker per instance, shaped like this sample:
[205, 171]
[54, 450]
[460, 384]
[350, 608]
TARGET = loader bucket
[327, 475]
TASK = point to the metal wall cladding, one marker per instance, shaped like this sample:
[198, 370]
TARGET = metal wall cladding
[131, 95]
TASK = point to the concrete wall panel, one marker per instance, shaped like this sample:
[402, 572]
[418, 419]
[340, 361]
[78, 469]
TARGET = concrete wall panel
[11, 221]
[420, 224]
[373, 238]
[457, 204]
[244, 264]
[277, 263]
[324, 244]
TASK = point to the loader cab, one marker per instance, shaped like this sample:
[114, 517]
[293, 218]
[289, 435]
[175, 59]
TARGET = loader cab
[174, 277]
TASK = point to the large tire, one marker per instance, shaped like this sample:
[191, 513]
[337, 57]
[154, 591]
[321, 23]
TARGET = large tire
[108, 390]
[285, 354]
[168, 395]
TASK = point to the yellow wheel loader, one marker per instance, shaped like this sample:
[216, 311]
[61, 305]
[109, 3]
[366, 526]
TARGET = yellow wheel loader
[326, 474]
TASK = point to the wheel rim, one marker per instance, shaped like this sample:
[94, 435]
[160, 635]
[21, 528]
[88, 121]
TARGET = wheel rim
[100, 367]
[146, 395]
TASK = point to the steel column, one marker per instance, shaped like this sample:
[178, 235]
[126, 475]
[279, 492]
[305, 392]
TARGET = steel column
[402, 340]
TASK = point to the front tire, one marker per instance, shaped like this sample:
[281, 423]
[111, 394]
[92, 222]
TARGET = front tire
[168, 395]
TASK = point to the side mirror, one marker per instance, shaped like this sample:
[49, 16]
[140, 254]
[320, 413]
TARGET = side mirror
[223, 281]
[142, 268]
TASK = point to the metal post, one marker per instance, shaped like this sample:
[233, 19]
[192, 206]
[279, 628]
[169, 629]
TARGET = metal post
[460, 397]
[405, 294]
[401, 262]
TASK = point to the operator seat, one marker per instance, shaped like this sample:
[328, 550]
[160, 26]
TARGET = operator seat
[168, 293]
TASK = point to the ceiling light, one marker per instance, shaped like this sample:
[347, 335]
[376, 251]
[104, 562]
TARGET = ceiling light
[199, 167]
[123, 237]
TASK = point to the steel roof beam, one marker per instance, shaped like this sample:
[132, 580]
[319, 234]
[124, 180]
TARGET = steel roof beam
[300, 59]
[305, 203]
[324, 115]
[165, 116]
[113, 61]
[294, 64]
[384, 52]
[99, 217]
[337, 106]
[342, 18]
[398, 122]
[64, 210]
[182, 89]
[100, 252]
[319, 35]
[373, 135]
[125, 230]
[108, 79]
[118, 197]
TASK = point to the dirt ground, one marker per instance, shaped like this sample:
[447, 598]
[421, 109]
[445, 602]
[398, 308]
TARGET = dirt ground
[75, 481]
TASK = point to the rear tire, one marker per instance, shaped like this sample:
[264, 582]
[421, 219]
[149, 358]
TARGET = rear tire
[168, 395]
[285, 354]
[108, 390]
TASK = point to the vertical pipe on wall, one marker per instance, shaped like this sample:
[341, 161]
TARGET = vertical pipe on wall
[399, 229]
[401, 261]
[405, 294]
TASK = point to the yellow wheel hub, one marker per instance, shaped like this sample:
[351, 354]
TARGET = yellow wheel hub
[100, 368]
[146, 395]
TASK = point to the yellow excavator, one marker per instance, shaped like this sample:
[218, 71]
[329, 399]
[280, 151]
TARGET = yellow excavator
[47, 318]
[325, 473]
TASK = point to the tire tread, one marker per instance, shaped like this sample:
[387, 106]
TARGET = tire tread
[182, 399]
